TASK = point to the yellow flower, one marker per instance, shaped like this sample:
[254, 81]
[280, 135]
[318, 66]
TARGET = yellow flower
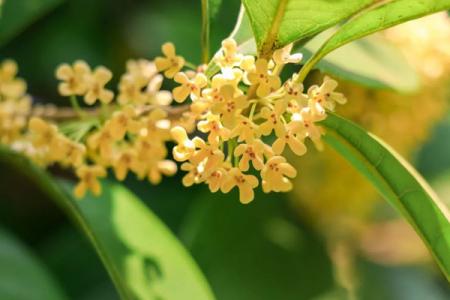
[102, 141]
[273, 119]
[10, 86]
[228, 56]
[194, 175]
[213, 125]
[230, 106]
[245, 130]
[8, 70]
[294, 91]
[171, 63]
[261, 76]
[216, 178]
[294, 140]
[149, 149]
[44, 134]
[120, 122]
[275, 175]
[141, 70]
[283, 56]
[159, 168]
[324, 96]
[156, 125]
[185, 147]
[304, 123]
[213, 155]
[130, 90]
[96, 86]
[253, 152]
[88, 176]
[192, 87]
[73, 153]
[155, 95]
[73, 78]
[245, 184]
[123, 162]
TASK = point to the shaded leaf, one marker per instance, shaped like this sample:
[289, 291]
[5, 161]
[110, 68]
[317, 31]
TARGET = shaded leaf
[258, 251]
[141, 255]
[17, 15]
[397, 182]
[22, 276]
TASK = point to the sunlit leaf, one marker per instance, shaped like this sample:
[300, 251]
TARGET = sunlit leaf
[277, 23]
[379, 18]
[17, 15]
[371, 62]
[22, 276]
[143, 258]
[397, 182]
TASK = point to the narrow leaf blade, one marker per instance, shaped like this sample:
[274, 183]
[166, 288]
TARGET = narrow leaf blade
[397, 182]
[380, 18]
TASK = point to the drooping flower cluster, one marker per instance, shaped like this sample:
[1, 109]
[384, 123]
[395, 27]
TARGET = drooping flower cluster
[229, 127]
[248, 117]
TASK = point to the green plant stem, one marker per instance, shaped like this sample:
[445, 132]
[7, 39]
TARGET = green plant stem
[252, 111]
[76, 107]
[205, 31]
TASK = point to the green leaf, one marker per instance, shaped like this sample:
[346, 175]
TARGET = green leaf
[372, 62]
[143, 258]
[17, 15]
[397, 182]
[213, 8]
[256, 252]
[22, 276]
[376, 19]
[277, 23]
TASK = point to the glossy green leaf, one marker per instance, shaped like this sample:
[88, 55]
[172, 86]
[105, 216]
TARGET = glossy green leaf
[397, 182]
[256, 252]
[371, 62]
[376, 19]
[143, 258]
[22, 276]
[17, 15]
[277, 23]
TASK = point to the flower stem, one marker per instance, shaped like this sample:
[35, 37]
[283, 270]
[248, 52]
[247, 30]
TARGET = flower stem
[76, 107]
[205, 31]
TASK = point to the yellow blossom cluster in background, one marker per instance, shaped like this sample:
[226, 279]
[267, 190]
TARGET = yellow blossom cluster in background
[15, 105]
[329, 191]
[228, 128]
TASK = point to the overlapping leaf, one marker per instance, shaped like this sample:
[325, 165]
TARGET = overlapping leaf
[142, 256]
[397, 182]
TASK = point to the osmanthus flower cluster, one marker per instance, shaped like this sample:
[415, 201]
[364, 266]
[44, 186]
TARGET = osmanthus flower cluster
[231, 129]
[248, 117]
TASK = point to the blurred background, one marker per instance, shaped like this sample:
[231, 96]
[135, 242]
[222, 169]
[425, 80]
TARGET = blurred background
[330, 238]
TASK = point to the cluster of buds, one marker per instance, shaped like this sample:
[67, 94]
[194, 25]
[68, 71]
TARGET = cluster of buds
[242, 115]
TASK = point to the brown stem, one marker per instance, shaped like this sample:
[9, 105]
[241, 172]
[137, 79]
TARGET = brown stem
[59, 114]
